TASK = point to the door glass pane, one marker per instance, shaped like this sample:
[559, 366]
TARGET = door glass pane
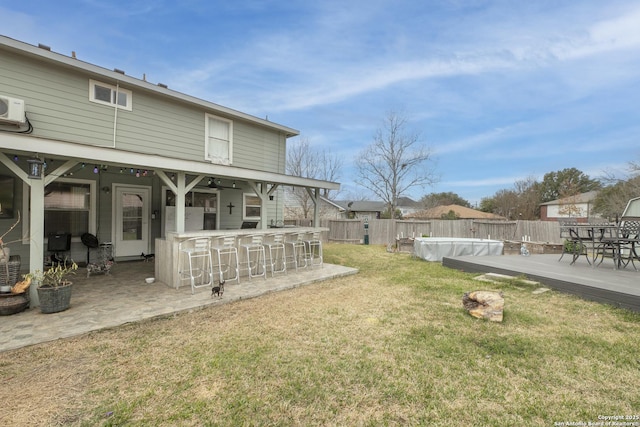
[131, 216]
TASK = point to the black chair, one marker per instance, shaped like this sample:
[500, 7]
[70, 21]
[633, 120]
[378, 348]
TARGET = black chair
[58, 242]
[625, 238]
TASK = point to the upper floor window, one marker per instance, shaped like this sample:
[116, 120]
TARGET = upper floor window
[219, 140]
[106, 94]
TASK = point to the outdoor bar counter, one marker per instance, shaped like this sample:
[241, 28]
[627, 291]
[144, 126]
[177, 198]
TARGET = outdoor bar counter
[167, 253]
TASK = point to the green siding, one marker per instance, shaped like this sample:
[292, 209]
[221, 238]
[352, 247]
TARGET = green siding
[57, 104]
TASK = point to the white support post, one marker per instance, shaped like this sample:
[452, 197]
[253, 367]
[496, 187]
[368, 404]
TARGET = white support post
[36, 233]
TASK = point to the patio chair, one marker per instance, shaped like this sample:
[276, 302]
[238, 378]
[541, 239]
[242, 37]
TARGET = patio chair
[296, 250]
[195, 263]
[225, 253]
[572, 243]
[254, 255]
[274, 245]
[313, 243]
[622, 245]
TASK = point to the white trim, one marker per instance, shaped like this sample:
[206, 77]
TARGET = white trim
[104, 155]
[207, 155]
[114, 214]
[114, 90]
[93, 209]
[245, 205]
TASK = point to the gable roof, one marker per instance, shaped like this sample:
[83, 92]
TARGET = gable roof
[44, 54]
[461, 212]
[157, 161]
[361, 205]
[587, 197]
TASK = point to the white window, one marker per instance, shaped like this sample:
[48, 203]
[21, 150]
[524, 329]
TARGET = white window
[103, 93]
[252, 206]
[219, 140]
[69, 207]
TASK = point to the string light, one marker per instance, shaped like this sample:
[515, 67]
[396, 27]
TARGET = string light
[95, 169]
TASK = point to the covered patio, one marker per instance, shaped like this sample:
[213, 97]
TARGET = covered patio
[106, 301]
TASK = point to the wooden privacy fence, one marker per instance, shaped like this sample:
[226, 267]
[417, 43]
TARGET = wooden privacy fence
[385, 231]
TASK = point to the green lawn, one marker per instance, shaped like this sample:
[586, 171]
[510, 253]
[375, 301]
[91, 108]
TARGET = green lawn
[391, 345]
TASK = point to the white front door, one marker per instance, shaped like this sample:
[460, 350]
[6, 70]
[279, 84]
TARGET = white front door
[131, 220]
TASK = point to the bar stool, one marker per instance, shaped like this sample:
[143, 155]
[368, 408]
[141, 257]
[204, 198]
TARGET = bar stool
[297, 250]
[226, 254]
[275, 245]
[195, 263]
[252, 247]
[313, 244]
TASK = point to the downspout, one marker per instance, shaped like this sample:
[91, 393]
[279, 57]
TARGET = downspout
[115, 116]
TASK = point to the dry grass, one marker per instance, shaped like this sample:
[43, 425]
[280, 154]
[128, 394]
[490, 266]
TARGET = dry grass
[389, 346]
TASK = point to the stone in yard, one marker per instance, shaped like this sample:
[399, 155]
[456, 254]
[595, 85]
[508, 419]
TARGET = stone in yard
[484, 304]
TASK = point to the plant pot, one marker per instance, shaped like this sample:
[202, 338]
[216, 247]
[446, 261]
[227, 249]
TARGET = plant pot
[53, 300]
[13, 303]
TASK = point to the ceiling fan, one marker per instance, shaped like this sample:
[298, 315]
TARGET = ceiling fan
[212, 183]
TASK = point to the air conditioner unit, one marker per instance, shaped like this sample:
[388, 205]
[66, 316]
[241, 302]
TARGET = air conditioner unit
[11, 110]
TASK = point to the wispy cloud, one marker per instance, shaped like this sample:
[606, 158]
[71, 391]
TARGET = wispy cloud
[499, 91]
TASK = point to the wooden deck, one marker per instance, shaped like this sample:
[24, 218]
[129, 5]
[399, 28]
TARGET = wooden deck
[604, 284]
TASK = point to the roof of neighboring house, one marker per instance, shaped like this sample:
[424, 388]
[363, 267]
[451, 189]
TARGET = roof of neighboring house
[374, 205]
[587, 197]
[332, 203]
[461, 212]
[408, 202]
[361, 205]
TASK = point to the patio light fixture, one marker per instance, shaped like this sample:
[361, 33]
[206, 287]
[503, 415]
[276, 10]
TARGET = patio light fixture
[35, 168]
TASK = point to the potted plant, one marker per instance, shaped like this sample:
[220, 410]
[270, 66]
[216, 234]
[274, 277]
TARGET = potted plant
[54, 287]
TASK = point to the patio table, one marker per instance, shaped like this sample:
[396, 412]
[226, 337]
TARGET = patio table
[584, 237]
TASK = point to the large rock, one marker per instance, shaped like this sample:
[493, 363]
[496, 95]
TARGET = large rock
[484, 304]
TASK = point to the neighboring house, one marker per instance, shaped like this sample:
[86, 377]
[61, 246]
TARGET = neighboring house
[461, 212]
[362, 209]
[407, 206]
[328, 209]
[577, 208]
[125, 159]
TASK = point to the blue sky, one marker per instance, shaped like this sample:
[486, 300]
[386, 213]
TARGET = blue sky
[499, 90]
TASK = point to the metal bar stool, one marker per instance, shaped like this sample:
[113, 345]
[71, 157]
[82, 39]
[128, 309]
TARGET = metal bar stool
[254, 255]
[295, 250]
[313, 242]
[274, 244]
[226, 254]
[195, 263]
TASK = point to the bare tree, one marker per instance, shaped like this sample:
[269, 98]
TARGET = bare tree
[394, 163]
[612, 200]
[304, 161]
[528, 191]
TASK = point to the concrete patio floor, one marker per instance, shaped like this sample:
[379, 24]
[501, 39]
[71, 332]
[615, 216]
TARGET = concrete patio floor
[106, 301]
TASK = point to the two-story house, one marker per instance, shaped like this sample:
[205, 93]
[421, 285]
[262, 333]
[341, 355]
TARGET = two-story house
[84, 149]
